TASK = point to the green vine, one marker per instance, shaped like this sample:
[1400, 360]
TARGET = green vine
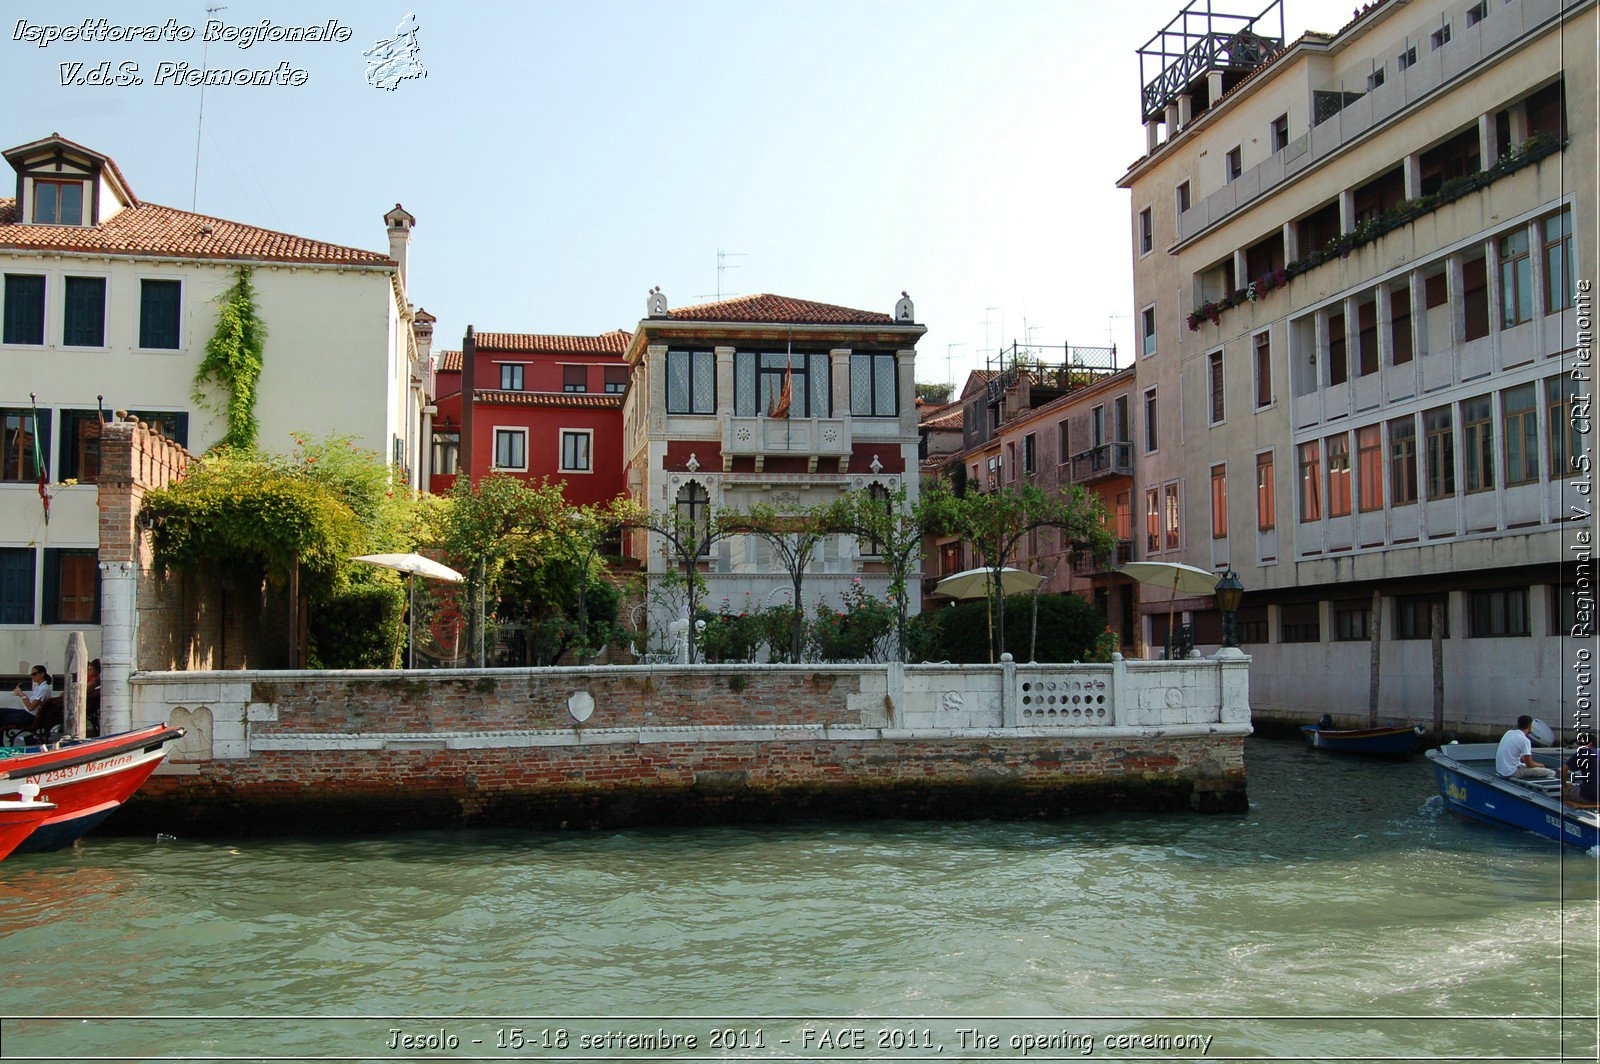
[233, 361]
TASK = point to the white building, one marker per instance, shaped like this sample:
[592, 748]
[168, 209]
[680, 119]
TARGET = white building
[698, 435]
[107, 302]
[1356, 263]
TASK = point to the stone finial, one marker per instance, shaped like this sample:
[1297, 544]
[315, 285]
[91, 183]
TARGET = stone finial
[656, 303]
[693, 464]
[904, 311]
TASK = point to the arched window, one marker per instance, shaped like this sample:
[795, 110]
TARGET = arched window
[879, 496]
[694, 512]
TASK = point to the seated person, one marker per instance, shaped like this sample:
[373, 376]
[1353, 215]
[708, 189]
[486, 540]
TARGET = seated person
[33, 700]
[52, 714]
[1514, 759]
[1578, 784]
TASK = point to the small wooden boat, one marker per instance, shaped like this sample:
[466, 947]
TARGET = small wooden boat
[1470, 786]
[19, 817]
[84, 780]
[1387, 741]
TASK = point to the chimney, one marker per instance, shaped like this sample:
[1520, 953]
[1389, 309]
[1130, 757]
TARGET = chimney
[399, 222]
[469, 380]
[422, 328]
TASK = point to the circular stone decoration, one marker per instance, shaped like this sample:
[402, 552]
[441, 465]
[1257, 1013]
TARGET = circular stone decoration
[581, 706]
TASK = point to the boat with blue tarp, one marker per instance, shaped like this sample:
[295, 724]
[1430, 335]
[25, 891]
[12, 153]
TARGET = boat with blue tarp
[1470, 785]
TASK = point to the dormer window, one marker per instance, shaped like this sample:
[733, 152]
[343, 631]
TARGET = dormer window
[57, 202]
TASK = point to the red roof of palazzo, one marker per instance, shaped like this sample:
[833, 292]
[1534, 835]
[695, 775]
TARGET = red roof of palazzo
[151, 229]
[449, 362]
[602, 400]
[614, 342]
[950, 416]
[781, 310]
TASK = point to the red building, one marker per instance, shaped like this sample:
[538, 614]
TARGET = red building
[542, 407]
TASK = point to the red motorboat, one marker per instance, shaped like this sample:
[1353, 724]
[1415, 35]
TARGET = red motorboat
[19, 818]
[84, 780]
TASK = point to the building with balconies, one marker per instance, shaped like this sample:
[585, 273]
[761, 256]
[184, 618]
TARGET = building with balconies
[1055, 425]
[768, 399]
[1357, 262]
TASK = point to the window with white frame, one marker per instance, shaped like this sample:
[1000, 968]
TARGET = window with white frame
[577, 450]
[511, 449]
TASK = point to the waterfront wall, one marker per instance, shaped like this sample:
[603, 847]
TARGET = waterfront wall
[588, 747]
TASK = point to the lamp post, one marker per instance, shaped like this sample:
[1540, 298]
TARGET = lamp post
[1229, 591]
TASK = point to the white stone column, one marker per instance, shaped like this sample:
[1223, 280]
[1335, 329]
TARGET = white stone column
[1347, 211]
[118, 627]
[1455, 283]
[724, 356]
[1413, 175]
[1241, 268]
[906, 379]
[1486, 152]
[839, 363]
[1385, 328]
[1291, 242]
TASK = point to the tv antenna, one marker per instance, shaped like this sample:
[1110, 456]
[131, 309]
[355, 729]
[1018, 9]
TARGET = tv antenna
[723, 265]
[949, 364]
[194, 193]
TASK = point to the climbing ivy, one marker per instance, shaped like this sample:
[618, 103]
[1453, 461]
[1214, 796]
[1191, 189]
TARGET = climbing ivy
[233, 361]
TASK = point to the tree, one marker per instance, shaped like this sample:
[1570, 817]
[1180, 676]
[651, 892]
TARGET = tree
[794, 536]
[486, 523]
[994, 522]
[579, 534]
[895, 529]
[686, 534]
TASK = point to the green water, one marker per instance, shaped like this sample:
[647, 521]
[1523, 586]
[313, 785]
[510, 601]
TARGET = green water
[1345, 916]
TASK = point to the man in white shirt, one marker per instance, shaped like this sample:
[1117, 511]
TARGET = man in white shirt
[1514, 759]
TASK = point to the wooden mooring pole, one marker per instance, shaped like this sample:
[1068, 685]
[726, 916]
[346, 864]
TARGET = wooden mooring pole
[75, 695]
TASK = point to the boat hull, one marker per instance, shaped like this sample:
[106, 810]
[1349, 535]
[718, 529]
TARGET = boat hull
[85, 781]
[1476, 793]
[18, 820]
[1377, 742]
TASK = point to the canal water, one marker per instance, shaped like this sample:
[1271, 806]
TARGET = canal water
[1345, 916]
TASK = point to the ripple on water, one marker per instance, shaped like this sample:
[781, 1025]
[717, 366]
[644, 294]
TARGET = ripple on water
[1346, 888]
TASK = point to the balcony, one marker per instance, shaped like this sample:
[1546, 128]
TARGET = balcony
[814, 438]
[1103, 463]
[1086, 564]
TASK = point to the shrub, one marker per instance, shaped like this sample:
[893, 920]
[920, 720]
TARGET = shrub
[1069, 629]
[854, 632]
[360, 626]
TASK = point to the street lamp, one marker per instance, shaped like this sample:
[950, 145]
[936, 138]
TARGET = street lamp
[1229, 591]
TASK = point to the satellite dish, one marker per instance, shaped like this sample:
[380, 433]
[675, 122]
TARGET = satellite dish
[1542, 734]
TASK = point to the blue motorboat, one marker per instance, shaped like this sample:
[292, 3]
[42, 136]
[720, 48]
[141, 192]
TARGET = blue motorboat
[1387, 741]
[1470, 786]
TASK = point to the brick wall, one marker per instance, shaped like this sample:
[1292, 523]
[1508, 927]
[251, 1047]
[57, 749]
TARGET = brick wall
[303, 751]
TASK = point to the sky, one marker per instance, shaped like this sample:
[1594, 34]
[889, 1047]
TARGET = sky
[564, 157]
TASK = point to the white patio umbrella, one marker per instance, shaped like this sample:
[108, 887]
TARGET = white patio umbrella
[413, 565]
[1175, 576]
[974, 583]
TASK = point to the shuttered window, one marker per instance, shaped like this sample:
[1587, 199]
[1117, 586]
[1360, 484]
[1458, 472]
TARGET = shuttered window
[159, 304]
[85, 320]
[24, 312]
[71, 587]
[16, 585]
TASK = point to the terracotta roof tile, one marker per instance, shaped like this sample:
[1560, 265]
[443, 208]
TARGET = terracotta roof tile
[151, 229]
[598, 399]
[614, 342]
[781, 310]
[944, 417]
[449, 362]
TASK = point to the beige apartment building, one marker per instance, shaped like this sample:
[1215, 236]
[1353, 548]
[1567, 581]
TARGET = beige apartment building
[1357, 260]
